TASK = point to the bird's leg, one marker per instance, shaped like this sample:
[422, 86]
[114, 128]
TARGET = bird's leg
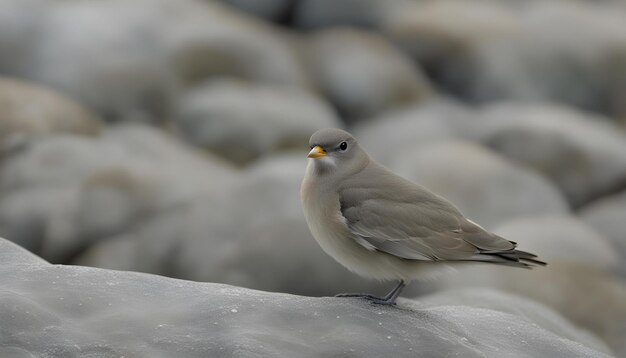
[390, 299]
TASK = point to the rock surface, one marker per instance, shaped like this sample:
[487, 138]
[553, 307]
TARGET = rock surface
[94, 312]
[582, 154]
[482, 184]
[91, 188]
[242, 122]
[607, 218]
[577, 282]
[493, 50]
[363, 74]
[30, 110]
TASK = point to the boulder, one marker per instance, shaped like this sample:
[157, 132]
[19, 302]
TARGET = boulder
[363, 74]
[582, 154]
[73, 310]
[62, 193]
[29, 110]
[273, 10]
[486, 187]
[562, 238]
[393, 132]
[577, 281]
[606, 216]
[492, 50]
[242, 121]
[313, 14]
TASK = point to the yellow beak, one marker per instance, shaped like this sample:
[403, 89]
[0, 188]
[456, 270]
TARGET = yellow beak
[317, 152]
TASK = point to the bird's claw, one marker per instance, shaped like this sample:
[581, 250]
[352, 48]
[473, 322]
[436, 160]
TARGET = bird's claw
[371, 298]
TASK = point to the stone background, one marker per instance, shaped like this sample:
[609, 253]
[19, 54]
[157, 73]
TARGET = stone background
[169, 136]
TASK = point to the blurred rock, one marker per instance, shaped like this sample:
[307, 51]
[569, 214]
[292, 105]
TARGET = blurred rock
[443, 36]
[396, 131]
[252, 234]
[584, 156]
[362, 73]
[608, 217]
[312, 14]
[19, 28]
[133, 70]
[148, 315]
[575, 282]
[488, 50]
[490, 299]
[29, 110]
[563, 239]
[116, 70]
[582, 63]
[25, 214]
[207, 40]
[62, 193]
[484, 186]
[274, 10]
[243, 122]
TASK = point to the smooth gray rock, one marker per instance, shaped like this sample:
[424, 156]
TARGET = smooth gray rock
[312, 14]
[491, 50]
[582, 154]
[119, 71]
[134, 70]
[62, 193]
[73, 310]
[582, 63]
[250, 234]
[562, 238]
[577, 281]
[29, 110]
[242, 122]
[208, 39]
[19, 27]
[363, 74]
[607, 218]
[274, 10]
[396, 131]
[483, 185]
[443, 36]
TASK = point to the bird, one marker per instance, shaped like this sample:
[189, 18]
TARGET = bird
[382, 226]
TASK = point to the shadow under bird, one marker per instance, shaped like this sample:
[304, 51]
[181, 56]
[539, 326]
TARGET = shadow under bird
[382, 226]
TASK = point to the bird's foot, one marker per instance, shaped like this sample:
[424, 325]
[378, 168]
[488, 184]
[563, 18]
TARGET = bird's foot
[376, 300]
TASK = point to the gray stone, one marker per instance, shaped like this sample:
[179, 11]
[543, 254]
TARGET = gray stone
[134, 70]
[576, 281]
[29, 110]
[275, 10]
[147, 315]
[583, 155]
[396, 131]
[486, 187]
[581, 63]
[62, 193]
[607, 216]
[443, 36]
[313, 14]
[562, 238]
[243, 122]
[488, 50]
[116, 70]
[362, 73]
[210, 40]
[19, 28]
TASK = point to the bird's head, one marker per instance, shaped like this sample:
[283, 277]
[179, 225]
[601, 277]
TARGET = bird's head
[334, 150]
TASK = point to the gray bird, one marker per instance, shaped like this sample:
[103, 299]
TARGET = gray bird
[382, 226]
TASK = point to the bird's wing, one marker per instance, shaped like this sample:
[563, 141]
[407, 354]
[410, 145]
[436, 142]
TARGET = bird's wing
[410, 222]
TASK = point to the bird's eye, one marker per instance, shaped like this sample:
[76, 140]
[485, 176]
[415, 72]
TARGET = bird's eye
[343, 146]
